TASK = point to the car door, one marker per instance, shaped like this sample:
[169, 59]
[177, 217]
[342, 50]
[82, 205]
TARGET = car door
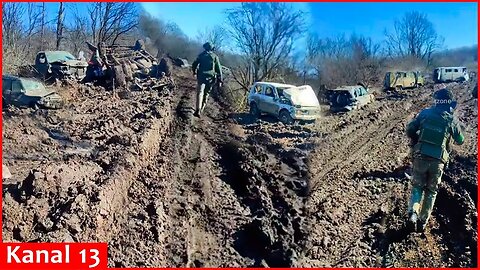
[402, 79]
[448, 74]
[268, 99]
[465, 74]
[255, 94]
[260, 96]
[7, 89]
[279, 100]
[17, 92]
[369, 97]
[455, 74]
[410, 79]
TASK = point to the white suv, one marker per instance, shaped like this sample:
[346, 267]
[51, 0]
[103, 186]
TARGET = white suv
[287, 102]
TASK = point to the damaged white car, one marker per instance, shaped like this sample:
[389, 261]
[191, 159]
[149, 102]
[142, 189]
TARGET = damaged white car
[286, 102]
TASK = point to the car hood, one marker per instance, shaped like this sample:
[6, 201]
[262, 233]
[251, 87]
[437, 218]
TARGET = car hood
[39, 93]
[302, 96]
[71, 63]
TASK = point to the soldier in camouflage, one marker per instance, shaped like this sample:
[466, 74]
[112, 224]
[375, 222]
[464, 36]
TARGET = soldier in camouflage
[209, 72]
[431, 132]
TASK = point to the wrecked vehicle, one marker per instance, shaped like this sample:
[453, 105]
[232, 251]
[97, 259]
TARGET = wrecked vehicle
[59, 65]
[180, 62]
[28, 92]
[347, 98]
[450, 74]
[401, 80]
[153, 84]
[119, 65]
[286, 102]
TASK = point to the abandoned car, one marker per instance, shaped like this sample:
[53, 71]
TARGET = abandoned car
[347, 98]
[450, 74]
[25, 92]
[401, 80]
[288, 103]
[60, 65]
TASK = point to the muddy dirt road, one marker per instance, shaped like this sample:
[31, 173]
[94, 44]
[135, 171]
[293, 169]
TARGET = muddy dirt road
[166, 189]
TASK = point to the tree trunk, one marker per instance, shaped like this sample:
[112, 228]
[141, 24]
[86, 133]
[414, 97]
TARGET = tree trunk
[60, 19]
[43, 27]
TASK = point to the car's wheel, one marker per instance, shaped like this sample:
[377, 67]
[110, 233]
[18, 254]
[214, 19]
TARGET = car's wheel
[254, 111]
[399, 88]
[285, 117]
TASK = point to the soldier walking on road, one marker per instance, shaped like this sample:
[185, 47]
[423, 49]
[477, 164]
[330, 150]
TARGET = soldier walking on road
[209, 72]
[430, 133]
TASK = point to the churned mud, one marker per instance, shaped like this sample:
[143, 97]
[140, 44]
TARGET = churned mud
[166, 189]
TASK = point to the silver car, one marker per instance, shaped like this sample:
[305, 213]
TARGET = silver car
[347, 98]
[286, 102]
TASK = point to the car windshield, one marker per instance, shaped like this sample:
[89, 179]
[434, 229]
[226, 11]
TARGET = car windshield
[59, 56]
[32, 85]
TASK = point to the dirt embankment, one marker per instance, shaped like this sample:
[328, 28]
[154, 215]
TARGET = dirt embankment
[165, 189]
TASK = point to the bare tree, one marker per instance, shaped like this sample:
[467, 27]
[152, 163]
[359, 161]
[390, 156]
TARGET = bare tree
[413, 36]
[319, 50]
[77, 31]
[60, 24]
[329, 58]
[365, 59]
[340, 60]
[43, 23]
[12, 23]
[217, 35]
[33, 26]
[20, 26]
[265, 34]
[111, 20]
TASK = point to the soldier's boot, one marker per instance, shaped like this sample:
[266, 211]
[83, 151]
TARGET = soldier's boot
[427, 207]
[199, 103]
[414, 207]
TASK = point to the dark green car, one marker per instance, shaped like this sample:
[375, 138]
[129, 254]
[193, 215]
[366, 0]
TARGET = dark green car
[60, 64]
[28, 92]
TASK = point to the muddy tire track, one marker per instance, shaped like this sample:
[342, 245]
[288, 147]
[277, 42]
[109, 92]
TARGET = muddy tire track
[365, 185]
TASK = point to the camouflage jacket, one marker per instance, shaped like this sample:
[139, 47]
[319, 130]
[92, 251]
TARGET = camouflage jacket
[208, 65]
[431, 131]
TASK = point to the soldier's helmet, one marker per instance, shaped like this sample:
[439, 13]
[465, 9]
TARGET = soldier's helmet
[444, 97]
[208, 46]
